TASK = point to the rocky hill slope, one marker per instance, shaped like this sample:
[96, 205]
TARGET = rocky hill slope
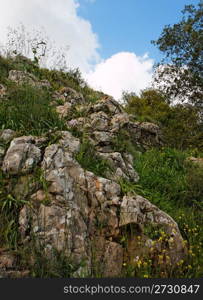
[66, 188]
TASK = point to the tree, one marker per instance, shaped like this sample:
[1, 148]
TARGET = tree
[180, 73]
[180, 124]
[150, 106]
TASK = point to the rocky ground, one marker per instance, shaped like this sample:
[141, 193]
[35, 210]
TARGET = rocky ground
[87, 217]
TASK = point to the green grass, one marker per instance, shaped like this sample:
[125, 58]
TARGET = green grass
[59, 266]
[27, 111]
[167, 179]
[9, 210]
[175, 186]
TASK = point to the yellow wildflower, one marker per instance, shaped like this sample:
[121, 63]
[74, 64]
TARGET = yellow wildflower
[139, 263]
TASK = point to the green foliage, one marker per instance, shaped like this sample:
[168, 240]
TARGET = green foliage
[182, 128]
[123, 142]
[194, 192]
[151, 105]
[168, 180]
[5, 67]
[172, 183]
[180, 124]
[9, 209]
[60, 266]
[182, 44]
[27, 110]
[90, 161]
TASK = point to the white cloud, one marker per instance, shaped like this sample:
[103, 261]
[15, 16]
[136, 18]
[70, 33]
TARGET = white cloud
[61, 22]
[60, 19]
[122, 71]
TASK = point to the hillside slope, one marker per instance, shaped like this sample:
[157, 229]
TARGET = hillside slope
[71, 199]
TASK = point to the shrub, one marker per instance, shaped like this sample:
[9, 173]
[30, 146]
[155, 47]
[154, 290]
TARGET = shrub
[181, 124]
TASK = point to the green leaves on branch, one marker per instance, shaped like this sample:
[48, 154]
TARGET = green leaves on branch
[180, 73]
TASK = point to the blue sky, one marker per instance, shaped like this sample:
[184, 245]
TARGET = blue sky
[130, 25]
[108, 40]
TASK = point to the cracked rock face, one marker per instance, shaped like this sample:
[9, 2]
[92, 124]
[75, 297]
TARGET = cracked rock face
[7, 135]
[86, 215]
[74, 211]
[21, 77]
[122, 164]
[22, 156]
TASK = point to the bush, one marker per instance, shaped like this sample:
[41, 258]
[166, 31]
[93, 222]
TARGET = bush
[181, 124]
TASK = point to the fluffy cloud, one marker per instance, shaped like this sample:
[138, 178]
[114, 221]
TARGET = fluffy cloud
[60, 19]
[61, 23]
[123, 71]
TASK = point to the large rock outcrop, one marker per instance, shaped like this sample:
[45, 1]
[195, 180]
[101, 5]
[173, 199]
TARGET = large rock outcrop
[70, 209]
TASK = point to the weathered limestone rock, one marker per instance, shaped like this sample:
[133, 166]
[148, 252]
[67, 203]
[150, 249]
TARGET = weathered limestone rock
[9, 267]
[22, 155]
[67, 94]
[69, 142]
[15, 274]
[108, 257]
[7, 135]
[21, 77]
[113, 260]
[139, 211]
[68, 99]
[99, 121]
[119, 121]
[196, 161]
[2, 91]
[78, 206]
[107, 105]
[60, 225]
[123, 167]
[143, 134]
[73, 211]
[103, 138]
[106, 118]
[7, 260]
[63, 110]
[78, 123]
